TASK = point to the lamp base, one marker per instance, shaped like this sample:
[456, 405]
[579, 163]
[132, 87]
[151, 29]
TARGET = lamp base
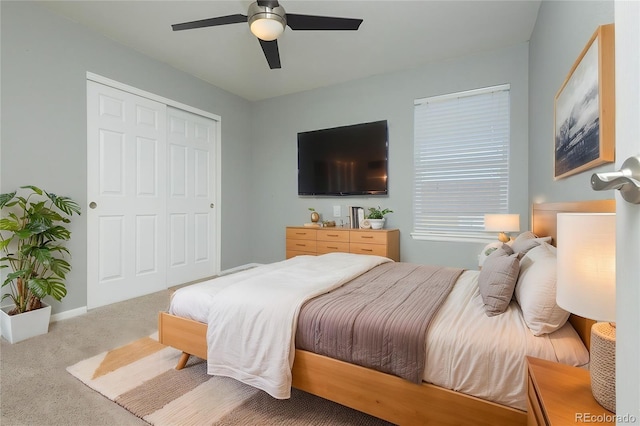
[603, 364]
[503, 237]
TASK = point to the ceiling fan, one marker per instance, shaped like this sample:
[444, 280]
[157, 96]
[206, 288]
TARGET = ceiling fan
[267, 21]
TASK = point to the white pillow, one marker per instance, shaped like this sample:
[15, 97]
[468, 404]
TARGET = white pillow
[536, 291]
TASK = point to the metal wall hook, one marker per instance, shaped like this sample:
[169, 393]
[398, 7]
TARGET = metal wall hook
[627, 180]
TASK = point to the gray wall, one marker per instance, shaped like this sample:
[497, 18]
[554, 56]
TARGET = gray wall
[277, 121]
[562, 30]
[44, 62]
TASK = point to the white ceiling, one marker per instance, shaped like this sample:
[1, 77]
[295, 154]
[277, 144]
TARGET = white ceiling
[395, 35]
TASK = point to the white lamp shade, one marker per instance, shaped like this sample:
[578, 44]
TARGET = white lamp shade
[586, 258]
[502, 222]
[267, 29]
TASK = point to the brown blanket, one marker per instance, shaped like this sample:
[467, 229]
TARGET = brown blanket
[378, 320]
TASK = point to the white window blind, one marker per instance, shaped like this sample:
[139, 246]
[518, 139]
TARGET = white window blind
[461, 154]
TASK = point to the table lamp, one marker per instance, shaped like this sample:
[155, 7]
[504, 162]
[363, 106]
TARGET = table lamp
[586, 286]
[502, 223]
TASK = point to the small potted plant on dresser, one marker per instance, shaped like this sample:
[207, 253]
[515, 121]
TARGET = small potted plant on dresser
[31, 232]
[376, 217]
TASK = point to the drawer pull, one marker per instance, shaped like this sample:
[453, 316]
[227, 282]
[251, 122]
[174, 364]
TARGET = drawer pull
[366, 249]
[301, 245]
[367, 236]
[301, 233]
[332, 235]
[333, 248]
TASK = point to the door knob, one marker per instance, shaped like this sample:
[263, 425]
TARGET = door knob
[92, 205]
[626, 180]
[211, 205]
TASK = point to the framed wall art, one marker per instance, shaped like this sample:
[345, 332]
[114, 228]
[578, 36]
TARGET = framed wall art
[584, 108]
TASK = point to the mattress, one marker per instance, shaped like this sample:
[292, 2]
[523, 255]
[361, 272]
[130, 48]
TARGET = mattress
[466, 350]
[472, 353]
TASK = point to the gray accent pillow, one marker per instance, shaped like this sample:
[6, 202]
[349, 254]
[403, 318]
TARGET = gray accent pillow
[498, 279]
[526, 241]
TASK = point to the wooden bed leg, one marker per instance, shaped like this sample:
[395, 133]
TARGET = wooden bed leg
[183, 361]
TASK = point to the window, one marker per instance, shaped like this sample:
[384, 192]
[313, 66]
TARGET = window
[461, 163]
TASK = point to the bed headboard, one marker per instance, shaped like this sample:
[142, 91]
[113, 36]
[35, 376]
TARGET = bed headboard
[544, 223]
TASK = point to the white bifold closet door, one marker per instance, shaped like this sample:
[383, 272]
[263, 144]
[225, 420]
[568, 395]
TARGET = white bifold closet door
[150, 218]
[190, 197]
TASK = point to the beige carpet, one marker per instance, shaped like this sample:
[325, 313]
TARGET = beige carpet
[141, 378]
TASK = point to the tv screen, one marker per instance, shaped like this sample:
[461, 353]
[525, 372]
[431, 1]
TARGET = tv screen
[348, 160]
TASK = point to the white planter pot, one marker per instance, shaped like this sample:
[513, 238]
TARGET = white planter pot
[16, 328]
[376, 223]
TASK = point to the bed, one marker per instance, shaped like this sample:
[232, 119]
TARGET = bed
[385, 395]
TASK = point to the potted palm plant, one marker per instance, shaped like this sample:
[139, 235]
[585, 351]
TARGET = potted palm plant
[31, 231]
[376, 217]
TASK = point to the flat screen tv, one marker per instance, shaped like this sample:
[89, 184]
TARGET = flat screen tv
[347, 160]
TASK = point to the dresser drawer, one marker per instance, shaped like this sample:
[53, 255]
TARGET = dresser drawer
[301, 234]
[308, 246]
[369, 237]
[332, 246]
[333, 235]
[364, 248]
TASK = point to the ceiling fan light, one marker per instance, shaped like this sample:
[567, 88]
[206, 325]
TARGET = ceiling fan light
[267, 29]
[266, 23]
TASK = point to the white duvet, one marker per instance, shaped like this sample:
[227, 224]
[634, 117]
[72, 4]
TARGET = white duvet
[252, 316]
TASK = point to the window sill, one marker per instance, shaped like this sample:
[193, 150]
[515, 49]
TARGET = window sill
[454, 238]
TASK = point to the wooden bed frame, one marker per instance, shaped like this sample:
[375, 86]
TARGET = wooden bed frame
[382, 395]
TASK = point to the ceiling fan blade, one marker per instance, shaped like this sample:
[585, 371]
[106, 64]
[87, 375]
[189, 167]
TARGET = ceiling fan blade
[311, 22]
[268, 3]
[211, 22]
[270, 49]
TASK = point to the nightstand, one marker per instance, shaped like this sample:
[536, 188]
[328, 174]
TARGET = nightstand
[559, 394]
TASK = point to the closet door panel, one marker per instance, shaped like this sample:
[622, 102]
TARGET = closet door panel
[192, 144]
[126, 190]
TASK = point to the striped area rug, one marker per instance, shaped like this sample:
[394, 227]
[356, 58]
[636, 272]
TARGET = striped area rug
[141, 377]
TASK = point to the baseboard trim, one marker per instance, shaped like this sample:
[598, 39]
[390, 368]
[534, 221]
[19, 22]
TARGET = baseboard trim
[69, 314]
[239, 268]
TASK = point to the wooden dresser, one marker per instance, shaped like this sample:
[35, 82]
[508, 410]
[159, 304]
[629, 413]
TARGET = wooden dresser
[307, 240]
